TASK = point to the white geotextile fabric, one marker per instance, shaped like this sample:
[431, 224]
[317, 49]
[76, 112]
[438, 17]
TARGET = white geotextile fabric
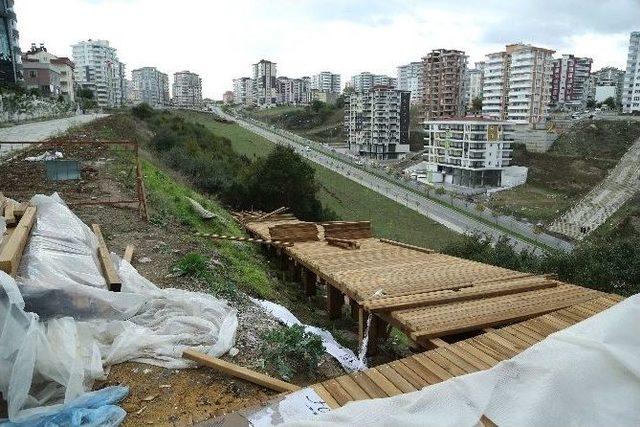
[585, 375]
[60, 328]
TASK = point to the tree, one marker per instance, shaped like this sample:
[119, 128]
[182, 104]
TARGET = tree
[284, 178]
[591, 104]
[476, 105]
[86, 98]
[610, 102]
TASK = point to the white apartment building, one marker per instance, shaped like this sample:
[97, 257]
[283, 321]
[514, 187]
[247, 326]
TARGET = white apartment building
[469, 152]
[472, 86]
[98, 69]
[293, 91]
[243, 90]
[264, 81]
[366, 81]
[150, 86]
[61, 65]
[631, 89]
[409, 79]
[517, 84]
[377, 123]
[187, 90]
[326, 81]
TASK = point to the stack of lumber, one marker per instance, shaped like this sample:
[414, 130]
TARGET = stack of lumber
[296, 232]
[347, 230]
[257, 216]
[20, 219]
[343, 243]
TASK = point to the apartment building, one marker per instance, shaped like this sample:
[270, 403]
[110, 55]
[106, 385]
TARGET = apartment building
[605, 80]
[227, 97]
[631, 89]
[326, 81]
[366, 81]
[377, 123]
[443, 83]
[471, 152]
[62, 66]
[10, 56]
[569, 82]
[472, 86]
[98, 69]
[410, 79]
[243, 90]
[517, 84]
[293, 91]
[264, 81]
[187, 90]
[151, 86]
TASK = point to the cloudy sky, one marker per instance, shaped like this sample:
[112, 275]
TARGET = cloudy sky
[220, 39]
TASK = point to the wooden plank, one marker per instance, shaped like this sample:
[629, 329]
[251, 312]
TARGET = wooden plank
[338, 393]
[325, 395]
[239, 371]
[128, 253]
[12, 249]
[396, 378]
[408, 374]
[269, 242]
[19, 209]
[407, 246]
[272, 213]
[9, 216]
[436, 369]
[352, 387]
[108, 269]
[372, 389]
[381, 381]
[421, 370]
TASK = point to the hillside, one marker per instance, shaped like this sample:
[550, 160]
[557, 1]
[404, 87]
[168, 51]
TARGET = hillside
[578, 160]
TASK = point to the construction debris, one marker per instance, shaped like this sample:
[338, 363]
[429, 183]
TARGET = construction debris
[13, 247]
[239, 371]
[201, 211]
[113, 281]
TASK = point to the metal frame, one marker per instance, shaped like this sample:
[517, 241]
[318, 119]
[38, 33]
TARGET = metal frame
[141, 197]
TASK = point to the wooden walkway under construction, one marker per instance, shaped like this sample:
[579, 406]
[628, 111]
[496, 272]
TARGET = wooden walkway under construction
[425, 294]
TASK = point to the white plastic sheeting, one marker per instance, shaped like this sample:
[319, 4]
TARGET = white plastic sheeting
[60, 327]
[585, 375]
[347, 358]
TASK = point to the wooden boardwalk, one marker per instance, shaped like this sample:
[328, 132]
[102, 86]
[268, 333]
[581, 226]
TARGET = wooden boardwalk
[470, 355]
[425, 294]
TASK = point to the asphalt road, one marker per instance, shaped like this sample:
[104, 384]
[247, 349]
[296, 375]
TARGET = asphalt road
[442, 214]
[40, 131]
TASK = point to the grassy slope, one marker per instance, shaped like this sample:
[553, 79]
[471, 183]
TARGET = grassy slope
[348, 199]
[578, 160]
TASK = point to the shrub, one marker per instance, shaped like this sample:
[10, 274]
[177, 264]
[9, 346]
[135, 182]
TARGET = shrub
[143, 111]
[291, 350]
[192, 264]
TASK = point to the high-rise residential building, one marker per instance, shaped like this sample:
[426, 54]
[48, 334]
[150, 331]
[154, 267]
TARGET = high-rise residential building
[227, 97]
[409, 78]
[243, 91]
[467, 151]
[151, 86]
[293, 91]
[10, 57]
[187, 90]
[61, 65]
[377, 123]
[606, 77]
[569, 84]
[443, 83]
[366, 81]
[264, 81]
[472, 86]
[517, 84]
[631, 89]
[326, 81]
[99, 70]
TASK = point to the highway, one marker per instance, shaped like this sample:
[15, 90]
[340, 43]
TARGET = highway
[455, 219]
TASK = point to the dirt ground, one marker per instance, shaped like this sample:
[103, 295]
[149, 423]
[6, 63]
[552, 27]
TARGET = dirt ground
[157, 396]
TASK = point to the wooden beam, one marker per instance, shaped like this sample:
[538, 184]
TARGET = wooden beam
[335, 300]
[239, 372]
[19, 209]
[246, 239]
[12, 249]
[274, 212]
[438, 342]
[108, 269]
[407, 246]
[343, 243]
[128, 253]
[9, 216]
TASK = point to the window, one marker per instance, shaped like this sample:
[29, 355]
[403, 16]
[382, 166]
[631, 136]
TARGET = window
[33, 74]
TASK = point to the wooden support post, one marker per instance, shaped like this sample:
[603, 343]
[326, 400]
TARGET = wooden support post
[335, 300]
[354, 309]
[239, 372]
[362, 324]
[309, 280]
[373, 346]
[128, 253]
[294, 271]
[9, 216]
[109, 271]
[13, 245]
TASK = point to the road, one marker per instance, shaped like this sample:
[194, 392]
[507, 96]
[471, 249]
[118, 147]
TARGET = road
[454, 219]
[40, 131]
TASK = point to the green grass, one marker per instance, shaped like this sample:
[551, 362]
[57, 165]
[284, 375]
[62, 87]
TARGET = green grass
[349, 200]
[531, 202]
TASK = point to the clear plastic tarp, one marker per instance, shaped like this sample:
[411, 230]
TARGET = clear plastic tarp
[61, 328]
[585, 375]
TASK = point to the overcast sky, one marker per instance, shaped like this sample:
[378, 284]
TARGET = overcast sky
[221, 39]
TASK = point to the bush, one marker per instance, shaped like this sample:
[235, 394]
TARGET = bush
[192, 264]
[291, 350]
[143, 111]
